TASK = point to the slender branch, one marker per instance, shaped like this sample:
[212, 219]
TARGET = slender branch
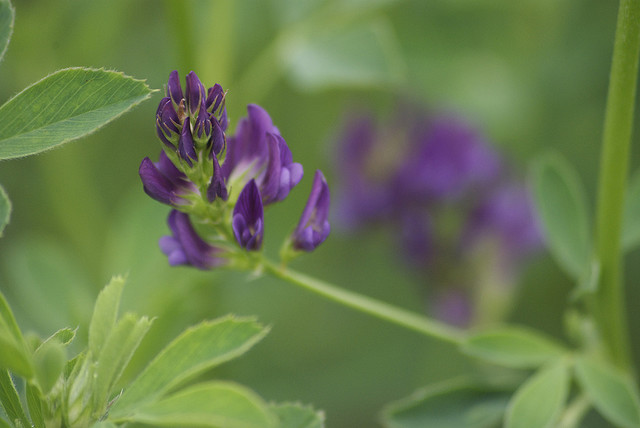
[370, 306]
[575, 412]
[608, 303]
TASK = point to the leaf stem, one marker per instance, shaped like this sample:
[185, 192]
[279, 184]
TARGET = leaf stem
[382, 310]
[608, 302]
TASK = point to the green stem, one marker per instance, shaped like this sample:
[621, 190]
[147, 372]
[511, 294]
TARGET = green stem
[575, 412]
[370, 306]
[609, 302]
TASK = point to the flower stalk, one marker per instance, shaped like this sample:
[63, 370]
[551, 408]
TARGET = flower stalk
[608, 301]
[378, 309]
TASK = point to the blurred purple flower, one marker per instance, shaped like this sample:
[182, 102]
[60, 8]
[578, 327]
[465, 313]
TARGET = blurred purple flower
[314, 227]
[186, 247]
[508, 214]
[448, 160]
[443, 189]
[248, 218]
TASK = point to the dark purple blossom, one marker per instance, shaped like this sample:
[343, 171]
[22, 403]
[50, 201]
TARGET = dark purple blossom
[195, 94]
[258, 151]
[174, 90]
[248, 218]
[167, 123]
[186, 145]
[186, 247]
[164, 182]
[314, 227]
[217, 187]
[215, 100]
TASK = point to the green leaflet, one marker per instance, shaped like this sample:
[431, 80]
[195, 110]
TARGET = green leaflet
[297, 416]
[562, 207]
[14, 354]
[452, 404]
[212, 404]
[512, 347]
[613, 394]
[538, 403]
[63, 106]
[10, 399]
[199, 348]
[105, 313]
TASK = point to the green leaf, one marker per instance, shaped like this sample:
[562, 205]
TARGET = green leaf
[14, 354]
[65, 335]
[49, 361]
[196, 350]
[562, 207]
[10, 399]
[451, 404]
[512, 347]
[104, 424]
[538, 403]
[297, 416]
[66, 105]
[612, 393]
[4, 424]
[7, 15]
[213, 404]
[5, 209]
[631, 219]
[35, 404]
[362, 54]
[116, 353]
[105, 313]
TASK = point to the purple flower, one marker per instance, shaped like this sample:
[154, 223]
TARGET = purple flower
[174, 90]
[195, 94]
[507, 214]
[217, 187]
[281, 173]
[164, 182]
[248, 218]
[185, 247]
[215, 100]
[258, 151]
[186, 145]
[167, 123]
[449, 159]
[366, 165]
[314, 227]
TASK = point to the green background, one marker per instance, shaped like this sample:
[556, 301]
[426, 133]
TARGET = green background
[532, 75]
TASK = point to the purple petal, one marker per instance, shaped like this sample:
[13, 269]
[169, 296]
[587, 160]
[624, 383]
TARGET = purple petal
[186, 246]
[248, 217]
[218, 140]
[174, 90]
[314, 226]
[155, 183]
[195, 94]
[217, 187]
[215, 98]
[186, 146]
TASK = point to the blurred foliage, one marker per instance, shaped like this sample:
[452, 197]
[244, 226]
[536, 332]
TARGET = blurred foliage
[531, 74]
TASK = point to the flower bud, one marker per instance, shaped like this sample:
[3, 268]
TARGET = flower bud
[248, 218]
